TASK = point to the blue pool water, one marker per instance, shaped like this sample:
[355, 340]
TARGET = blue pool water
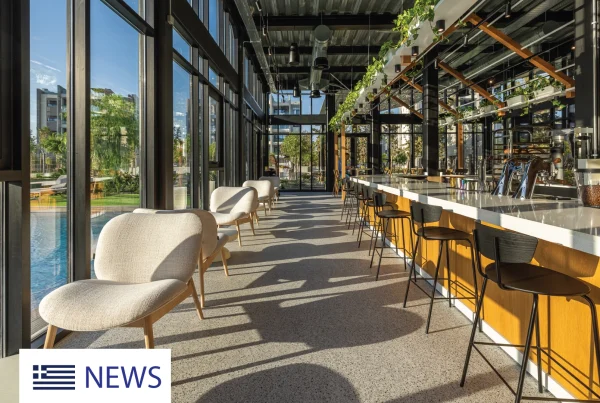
[49, 250]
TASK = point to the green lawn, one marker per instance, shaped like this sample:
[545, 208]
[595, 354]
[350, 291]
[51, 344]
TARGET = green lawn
[114, 200]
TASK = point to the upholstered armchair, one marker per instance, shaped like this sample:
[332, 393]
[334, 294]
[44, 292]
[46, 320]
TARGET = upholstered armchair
[212, 245]
[144, 265]
[234, 206]
[265, 191]
[276, 184]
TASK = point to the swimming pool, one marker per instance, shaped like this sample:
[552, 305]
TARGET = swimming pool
[49, 250]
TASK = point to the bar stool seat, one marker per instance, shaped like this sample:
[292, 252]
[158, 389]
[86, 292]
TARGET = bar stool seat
[532, 279]
[443, 234]
[393, 214]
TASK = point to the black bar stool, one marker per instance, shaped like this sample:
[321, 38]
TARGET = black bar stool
[365, 224]
[361, 201]
[511, 270]
[423, 214]
[348, 192]
[383, 218]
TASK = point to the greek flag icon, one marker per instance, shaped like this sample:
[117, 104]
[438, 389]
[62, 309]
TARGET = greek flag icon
[54, 377]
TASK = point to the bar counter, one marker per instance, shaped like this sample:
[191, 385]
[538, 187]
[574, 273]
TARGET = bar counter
[569, 237]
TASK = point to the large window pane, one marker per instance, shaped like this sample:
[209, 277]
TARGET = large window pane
[215, 131]
[48, 100]
[182, 85]
[213, 19]
[114, 117]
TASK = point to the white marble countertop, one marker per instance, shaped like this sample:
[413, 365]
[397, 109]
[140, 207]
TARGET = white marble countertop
[566, 223]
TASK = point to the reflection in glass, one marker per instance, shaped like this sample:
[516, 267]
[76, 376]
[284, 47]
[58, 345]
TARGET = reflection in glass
[114, 118]
[48, 153]
[213, 138]
[181, 46]
[182, 160]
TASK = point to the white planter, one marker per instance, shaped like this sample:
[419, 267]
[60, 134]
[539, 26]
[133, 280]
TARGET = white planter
[487, 109]
[519, 99]
[546, 91]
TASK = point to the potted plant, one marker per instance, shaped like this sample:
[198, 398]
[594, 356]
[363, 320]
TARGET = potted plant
[486, 106]
[466, 112]
[518, 96]
[545, 86]
[401, 158]
[447, 118]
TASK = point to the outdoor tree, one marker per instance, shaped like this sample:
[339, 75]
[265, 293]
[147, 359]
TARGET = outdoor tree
[54, 143]
[290, 148]
[114, 128]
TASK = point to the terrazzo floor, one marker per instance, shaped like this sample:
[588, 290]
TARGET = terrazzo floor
[301, 319]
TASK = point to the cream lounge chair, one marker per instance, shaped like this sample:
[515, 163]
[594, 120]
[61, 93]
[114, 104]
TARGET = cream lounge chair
[265, 191]
[144, 265]
[234, 206]
[213, 242]
[276, 184]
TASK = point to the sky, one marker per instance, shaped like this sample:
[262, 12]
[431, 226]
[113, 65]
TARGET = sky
[114, 58]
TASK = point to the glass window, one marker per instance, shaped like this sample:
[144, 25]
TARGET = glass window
[213, 19]
[114, 117]
[181, 46]
[213, 77]
[182, 86]
[48, 95]
[214, 133]
[201, 137]
[306, 103]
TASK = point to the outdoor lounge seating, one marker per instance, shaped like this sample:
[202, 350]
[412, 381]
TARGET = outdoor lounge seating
[234, 206]
[212, 245]
[144, 265]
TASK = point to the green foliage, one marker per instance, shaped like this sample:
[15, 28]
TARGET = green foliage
[401, 157]
[54, 143]
[114, 129]
[290, 148]
[405, 26]
[122, 182]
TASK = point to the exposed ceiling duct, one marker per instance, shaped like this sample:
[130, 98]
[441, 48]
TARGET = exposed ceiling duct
[321, 35]
[256, 41]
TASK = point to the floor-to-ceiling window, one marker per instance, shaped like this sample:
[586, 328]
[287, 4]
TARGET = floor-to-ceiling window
[114, 117]
[215, 142]
[48, 151]
[182, 158]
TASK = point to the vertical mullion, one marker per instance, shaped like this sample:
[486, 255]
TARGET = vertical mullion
[149, 168]
[78, 156]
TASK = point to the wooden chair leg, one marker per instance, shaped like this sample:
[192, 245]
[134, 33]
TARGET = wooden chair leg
[201, 287]
[252, 226]
[265, 207]
[256, 217]
[237, 225]
[148, 333]
[224, 259]
[192, 289]
[50, 336]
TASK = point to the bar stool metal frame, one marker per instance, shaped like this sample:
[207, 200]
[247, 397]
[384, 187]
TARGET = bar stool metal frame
[348, 191]
[423, 214]
[365, 225]
[511, 270]
[361, 200]
[382, 227]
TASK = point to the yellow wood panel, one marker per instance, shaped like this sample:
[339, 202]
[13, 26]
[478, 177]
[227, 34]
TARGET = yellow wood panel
[565, 325]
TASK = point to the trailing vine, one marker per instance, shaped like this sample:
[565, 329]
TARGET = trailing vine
[406, 26]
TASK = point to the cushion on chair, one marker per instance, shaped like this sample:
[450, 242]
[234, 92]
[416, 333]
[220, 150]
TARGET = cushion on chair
[264, 188]
[230, 233]
[140, 248]
[234, 201]
[90, 305]
[224, 219]
[209, 226]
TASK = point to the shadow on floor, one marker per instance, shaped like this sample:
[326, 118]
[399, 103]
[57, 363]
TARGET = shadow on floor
[296, 383]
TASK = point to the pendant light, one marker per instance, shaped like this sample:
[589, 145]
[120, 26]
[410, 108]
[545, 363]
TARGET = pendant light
[397, 68]
[294, 58]
[440, 26]
[508, 9]
[296, 89]
[415, 51]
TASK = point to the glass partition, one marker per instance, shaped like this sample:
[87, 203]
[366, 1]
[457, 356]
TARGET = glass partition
[182, 85]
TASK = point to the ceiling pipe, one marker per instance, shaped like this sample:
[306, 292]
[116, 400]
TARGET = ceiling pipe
[256, 39]
[322, 35]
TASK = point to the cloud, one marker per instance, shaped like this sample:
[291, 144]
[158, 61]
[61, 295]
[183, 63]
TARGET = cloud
[45, 65]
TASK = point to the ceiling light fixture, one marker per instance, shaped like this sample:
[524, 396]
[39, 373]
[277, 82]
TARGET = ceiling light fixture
[374, 91]
[360, 106]
[491, 81]
[466, 40]
[397, 68]
[415, 51]
[440, 26]
[294, 59]
[508, 9]
[264, 30]
[270, 51]
[315, 94]
[573, 47]
[435, 64]
[297, 89]
[258, 7]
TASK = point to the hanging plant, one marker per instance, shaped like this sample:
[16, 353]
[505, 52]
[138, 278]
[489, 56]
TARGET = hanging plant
[406, 26]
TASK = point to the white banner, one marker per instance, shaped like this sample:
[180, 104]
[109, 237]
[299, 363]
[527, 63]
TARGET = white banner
[101, 376]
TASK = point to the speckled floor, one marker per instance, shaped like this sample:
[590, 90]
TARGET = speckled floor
[301, 319]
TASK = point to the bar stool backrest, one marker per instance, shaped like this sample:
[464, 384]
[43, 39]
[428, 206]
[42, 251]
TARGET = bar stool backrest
[379, 200]
[368, 192]
[422, 213]
[504, 246]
